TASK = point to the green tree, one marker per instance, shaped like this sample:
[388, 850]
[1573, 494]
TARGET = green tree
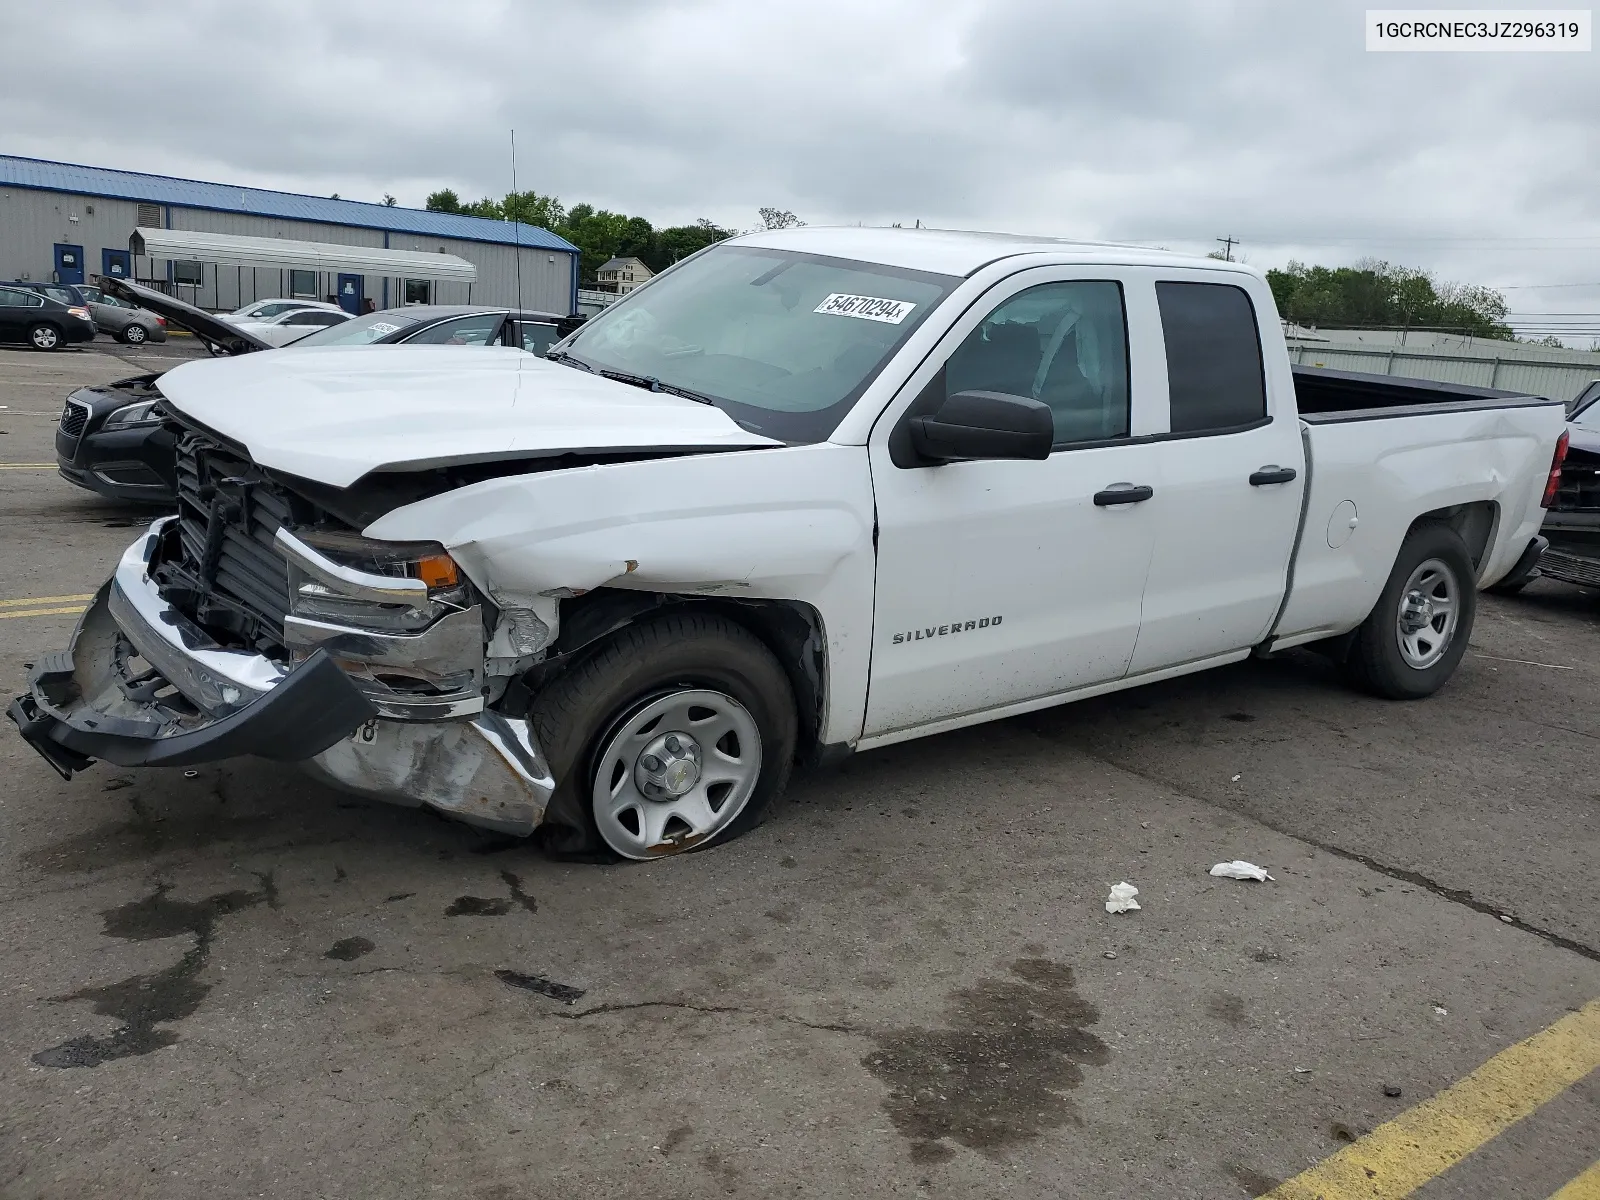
[1378, 295]
[444, 200]
[389, 201]
[680, 241]
[778, 218]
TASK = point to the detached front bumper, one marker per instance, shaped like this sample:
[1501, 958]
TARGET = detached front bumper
[141, 685]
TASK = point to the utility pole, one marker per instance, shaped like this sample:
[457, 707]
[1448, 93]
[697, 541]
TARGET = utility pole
[1228, 243]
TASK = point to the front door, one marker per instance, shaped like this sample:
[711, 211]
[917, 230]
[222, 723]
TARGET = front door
[350, 287]
[69, 263]
[1001, 582]
[118, 264]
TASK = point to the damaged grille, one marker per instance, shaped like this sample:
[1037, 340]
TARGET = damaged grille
[221, 568]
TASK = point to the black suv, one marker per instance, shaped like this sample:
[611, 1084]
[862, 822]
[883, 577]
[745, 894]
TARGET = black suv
[42, 321]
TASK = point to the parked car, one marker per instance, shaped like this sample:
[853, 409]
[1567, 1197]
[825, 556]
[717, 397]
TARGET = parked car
[126, 322]
[289, 327]
[261, 310]
[1572, 525]
[111, 441]
[71, 294]
[450, 325]
[804, 493]
[42, 321]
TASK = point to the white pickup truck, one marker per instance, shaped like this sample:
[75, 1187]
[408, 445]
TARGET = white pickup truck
[805, 493]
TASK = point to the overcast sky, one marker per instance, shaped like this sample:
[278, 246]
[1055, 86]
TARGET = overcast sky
[1172, 124]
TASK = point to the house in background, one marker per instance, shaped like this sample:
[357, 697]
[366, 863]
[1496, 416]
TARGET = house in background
[621, 275]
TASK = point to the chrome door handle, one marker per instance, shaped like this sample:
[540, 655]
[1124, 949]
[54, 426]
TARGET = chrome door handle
[1123, 493]
[1272, 473]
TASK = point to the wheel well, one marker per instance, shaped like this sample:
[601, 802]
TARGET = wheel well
[1475, 523]
[790, 629]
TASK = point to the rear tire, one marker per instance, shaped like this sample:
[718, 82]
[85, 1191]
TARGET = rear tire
[674, 735]
[44, 337]
[134, 334]
[1413, 639]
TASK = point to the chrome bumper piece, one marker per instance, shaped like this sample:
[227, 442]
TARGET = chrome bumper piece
[442, 750]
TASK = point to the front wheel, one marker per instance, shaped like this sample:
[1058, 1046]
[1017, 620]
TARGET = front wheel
[44, 337]
[135, 335]
[678, 733]
[1413, 639]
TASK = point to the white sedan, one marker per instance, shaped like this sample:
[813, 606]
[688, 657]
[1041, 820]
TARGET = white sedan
[288, 327]
[262, 310]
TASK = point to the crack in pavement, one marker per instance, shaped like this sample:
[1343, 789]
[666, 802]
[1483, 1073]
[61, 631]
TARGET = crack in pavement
[714, 1009]
[1459, 896]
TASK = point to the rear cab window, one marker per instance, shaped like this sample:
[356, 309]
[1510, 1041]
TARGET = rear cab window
[1215, 376]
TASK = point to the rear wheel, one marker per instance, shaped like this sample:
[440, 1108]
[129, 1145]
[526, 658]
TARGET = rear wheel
[44, 337]
[675, 735]
[135, 334]
[1414, 638]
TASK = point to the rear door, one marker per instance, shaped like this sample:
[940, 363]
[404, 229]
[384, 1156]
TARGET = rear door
[1232, 474]
[1002, 582]
[16, 309]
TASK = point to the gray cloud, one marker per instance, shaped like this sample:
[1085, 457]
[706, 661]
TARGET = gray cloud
[1173, 124]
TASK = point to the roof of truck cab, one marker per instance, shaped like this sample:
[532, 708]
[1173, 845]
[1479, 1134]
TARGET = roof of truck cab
[961, 252]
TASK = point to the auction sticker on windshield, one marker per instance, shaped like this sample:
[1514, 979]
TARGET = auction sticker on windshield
[382, 327]
[868, 308]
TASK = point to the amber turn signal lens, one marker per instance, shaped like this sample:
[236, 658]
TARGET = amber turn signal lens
[437, 570]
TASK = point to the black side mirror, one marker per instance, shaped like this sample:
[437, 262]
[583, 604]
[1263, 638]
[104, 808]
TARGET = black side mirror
[984, 425]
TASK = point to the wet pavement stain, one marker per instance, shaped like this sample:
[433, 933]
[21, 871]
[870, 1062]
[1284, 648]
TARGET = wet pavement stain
[1254, 1183]
[514, 885]
[478, 906]
[999, 1074]
[1226, 1007]
[563, 992]
[349, 949]
[144, 1002]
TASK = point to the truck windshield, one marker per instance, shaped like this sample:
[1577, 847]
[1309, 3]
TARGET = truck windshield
[784, 343]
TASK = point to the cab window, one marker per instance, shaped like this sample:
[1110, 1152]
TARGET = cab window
[1065, 344]
[462, 331]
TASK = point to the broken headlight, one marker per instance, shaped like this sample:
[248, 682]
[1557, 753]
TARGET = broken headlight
[346, 579]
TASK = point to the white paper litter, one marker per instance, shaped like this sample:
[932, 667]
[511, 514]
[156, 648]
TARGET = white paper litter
[1235, 779]
[1122, 898]
[1239, 869]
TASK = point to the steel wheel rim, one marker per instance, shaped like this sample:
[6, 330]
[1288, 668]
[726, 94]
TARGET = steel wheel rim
[714, 732]
[44, 338]
[1429, 611]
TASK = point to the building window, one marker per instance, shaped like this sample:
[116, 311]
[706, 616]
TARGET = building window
[190, 273]
[419, 291]
[149, 216]
[303, 283]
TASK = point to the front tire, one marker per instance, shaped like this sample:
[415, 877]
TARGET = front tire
[44, 337]
[1413, 640]
[675, 735]
[134, 335]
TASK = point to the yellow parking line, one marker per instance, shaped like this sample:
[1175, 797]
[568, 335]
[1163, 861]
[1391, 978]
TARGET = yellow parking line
[1584, 1187]
[39, 612]
[1398, 1157]
[36, 601]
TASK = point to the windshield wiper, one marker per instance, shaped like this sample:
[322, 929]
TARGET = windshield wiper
[561, 356]
[651, 384]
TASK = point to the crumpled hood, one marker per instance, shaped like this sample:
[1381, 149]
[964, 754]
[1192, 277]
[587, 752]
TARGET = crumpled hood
[336, 413]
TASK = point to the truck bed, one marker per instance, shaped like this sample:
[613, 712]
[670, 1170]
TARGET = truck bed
[1325, 396]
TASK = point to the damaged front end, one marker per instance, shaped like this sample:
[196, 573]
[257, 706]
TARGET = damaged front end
[253, 623]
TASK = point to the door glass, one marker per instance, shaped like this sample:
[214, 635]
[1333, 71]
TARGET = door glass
[463, 331]
[1063, 343]
[1214, 369]
[10, 299]
[536, 338]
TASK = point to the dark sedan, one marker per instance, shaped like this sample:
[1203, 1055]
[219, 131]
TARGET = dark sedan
[41, 321]
[111, 438]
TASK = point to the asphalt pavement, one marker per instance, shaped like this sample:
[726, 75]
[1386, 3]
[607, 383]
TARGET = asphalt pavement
[234, 982]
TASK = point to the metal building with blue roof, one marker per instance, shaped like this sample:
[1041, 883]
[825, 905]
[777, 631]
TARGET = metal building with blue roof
[66, 222]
